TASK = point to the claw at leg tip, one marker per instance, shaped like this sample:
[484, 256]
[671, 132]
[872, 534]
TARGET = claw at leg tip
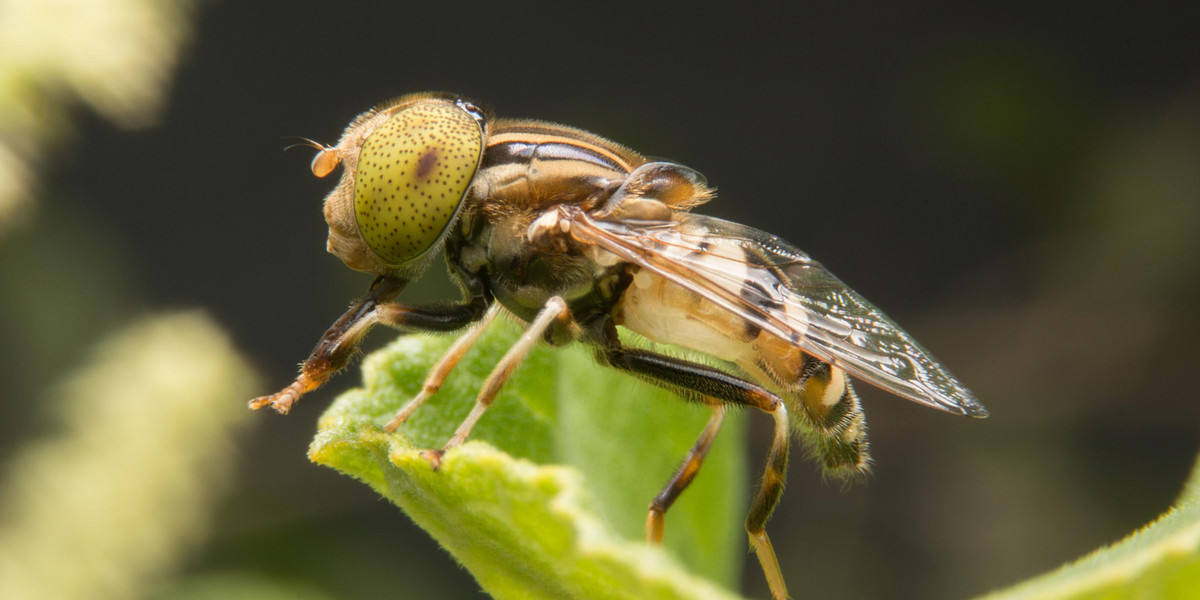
[654, 528]
[279, 405]
[433, 457]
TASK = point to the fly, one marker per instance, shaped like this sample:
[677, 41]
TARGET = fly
[576, 235]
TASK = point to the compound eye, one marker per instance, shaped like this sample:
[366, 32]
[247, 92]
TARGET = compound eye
[325, 162]
[413, 174]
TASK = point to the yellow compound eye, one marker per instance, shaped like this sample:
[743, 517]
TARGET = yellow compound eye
[413, 174]
[325, 162]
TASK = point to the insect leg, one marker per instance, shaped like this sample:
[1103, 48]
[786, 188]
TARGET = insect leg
[335, 348]
[683, 476]
[555, 311]
[341, 340]
[769, 492]
[442, 369]
[697, 381]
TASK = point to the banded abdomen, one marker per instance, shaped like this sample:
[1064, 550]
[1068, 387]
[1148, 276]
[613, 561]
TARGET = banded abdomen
[820, 397]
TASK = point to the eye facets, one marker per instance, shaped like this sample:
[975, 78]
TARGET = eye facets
[413, 173]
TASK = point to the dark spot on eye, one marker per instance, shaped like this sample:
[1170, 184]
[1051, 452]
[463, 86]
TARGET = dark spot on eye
[426, 163]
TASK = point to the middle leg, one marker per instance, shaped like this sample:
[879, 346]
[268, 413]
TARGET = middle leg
[555, 311]
[441, 370]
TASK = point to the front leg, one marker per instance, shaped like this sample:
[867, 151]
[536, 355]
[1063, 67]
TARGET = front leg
[341, 340]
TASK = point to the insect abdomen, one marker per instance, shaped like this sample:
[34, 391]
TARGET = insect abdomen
[836, 422]
[819, 395]
[820, 399]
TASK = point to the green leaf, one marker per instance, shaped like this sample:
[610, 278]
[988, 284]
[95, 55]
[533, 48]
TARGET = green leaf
[1159, 561]
[548, 499]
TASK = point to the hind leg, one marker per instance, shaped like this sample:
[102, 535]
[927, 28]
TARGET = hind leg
[703, 383]
[769, 492]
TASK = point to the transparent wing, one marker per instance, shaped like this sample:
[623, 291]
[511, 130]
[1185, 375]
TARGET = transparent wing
[779, 288]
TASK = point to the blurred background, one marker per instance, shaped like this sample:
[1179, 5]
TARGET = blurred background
[1018, 184]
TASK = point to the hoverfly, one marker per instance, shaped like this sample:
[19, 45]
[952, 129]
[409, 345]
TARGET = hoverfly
[576, 235]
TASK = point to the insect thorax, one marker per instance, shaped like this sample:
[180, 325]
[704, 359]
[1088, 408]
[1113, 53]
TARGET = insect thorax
[522, 274]
[529, 168]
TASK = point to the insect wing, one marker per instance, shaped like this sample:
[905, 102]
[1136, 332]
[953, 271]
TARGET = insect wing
[780, 289]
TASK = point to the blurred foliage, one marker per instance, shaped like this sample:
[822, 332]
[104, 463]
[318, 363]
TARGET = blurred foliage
[115, 56]
[1160, 561]
[45, 331]
[1080, 334]
[238, 586]
[567, 530]
[108, 506]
